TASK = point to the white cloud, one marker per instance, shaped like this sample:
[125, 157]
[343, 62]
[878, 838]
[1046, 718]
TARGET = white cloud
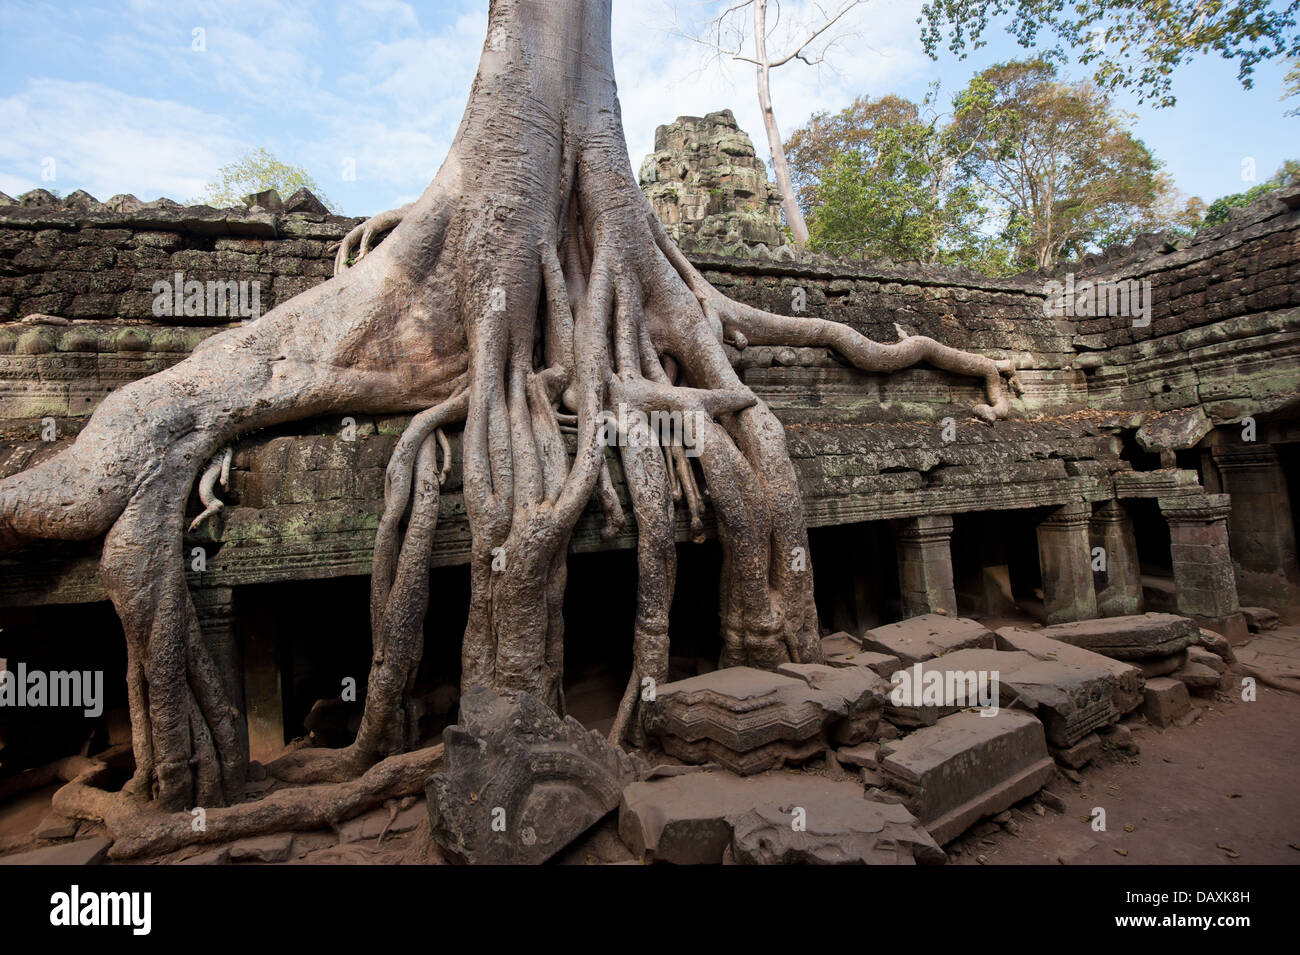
[380, 82]
[106, 142]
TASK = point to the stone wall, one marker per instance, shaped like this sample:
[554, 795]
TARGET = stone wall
[97, 268]
[305, 499]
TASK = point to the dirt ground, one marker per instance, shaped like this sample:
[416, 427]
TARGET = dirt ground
[1223, 791]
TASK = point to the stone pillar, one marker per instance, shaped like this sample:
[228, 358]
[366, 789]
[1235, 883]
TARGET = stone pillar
[1204, 583]
[265, 699]
[214, 607]
[1065, 558]
[1119, 584]
[925, 564]
[1260, 530]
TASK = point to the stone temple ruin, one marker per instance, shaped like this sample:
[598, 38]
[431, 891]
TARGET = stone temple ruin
[1105, 551]
[707, 185]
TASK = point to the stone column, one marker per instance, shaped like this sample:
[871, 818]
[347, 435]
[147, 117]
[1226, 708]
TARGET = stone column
[265, 699]
[1204, 582]
[1065, 558]
[925, 564]
[214, 607]
[1119, 584]
[1260, 530]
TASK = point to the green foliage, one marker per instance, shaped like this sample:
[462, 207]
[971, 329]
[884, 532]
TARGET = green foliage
[877, 180]
[1288, 175]
[1132, 44]
[1024, 170]
[257, 171]
[1291, 85]
[1059, 160]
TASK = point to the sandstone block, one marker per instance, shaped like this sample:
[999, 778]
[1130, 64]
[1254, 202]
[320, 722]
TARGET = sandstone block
[1127, 693]
[81, 852]
[700, 818]
[1080, 754]
[967, 767]
[929, 635]
[1165, 701]
[750, 720]
[1133, 637]
[521, 783]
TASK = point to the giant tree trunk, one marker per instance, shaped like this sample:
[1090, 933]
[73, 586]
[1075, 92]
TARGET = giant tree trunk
[529, 293]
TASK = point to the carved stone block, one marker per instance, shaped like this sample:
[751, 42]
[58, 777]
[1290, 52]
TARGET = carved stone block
[521, 783]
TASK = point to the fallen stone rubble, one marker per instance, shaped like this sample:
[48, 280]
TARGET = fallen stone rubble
[810, 764]
[749, 720]
[775, 817]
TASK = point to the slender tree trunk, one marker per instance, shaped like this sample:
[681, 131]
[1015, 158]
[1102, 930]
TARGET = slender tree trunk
[780, 168]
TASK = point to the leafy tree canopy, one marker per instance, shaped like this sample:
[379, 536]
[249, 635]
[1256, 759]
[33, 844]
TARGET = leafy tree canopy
[257, 171]
[1132, 44]
[1025, 169]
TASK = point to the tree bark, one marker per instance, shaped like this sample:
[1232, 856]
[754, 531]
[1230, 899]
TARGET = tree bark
[780, 168]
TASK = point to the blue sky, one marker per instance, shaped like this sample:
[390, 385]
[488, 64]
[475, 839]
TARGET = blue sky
[117, 96]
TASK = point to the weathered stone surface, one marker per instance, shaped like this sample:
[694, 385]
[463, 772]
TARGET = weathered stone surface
[264, 849]
[521, 783]
[966, 767]
[1198, 678]
[697, 818]
[1174, 430]
[707, 184]
[218, 856]
[305, 201]
[1119, 736]
[1260, 526]
[926, 692]
[1064, 560]
[1135, 637]
[1070, 699]
[862, 692]
[1204, 578]
[1165, 700]
[1260, 619]
[1127, 692]
[1080, 754]
[862, 755]
[1207, 658]
[81, 852]
[751, 720]
[1118, 583]
[54, 826]
[267, 199]
[925, 564]
[1217, 644]
[842, 650]
[926, 636]
[38, 197]
[1161, 666]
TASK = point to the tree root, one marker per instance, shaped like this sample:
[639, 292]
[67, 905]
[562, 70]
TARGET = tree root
[361, 237]
[217, 470]
[752, 326]
[139, 831]
[399, 599]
